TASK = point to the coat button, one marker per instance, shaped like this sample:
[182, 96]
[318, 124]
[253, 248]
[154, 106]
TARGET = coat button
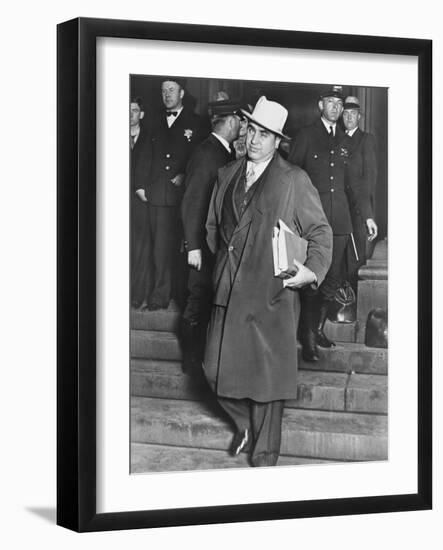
[315, 156]
[332, 190]
[168, 155]
[332, 164]
[167, 167]
[332, 151]
[331, 177]
[230, 248]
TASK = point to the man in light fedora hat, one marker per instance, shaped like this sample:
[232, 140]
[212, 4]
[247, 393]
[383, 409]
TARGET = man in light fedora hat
[251, 353]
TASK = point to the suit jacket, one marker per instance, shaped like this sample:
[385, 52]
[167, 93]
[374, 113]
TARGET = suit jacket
[141, 159]
[256, 355]
[201, 174]
[171, 149]
[324, 159]
[361, 174]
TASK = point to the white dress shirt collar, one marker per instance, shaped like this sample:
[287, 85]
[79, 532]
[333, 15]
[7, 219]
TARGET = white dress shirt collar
[171, 119]
[352, 132]
[223, 141]
[258, 168]
[328, 125]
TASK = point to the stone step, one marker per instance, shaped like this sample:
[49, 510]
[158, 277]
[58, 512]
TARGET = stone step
[164, 320]
[164, 458]
[371, 294]
[372, 291]
[345, 357]
[168, 320]
[150, 344]
[316, 389]
[340, 332]
[313, 434]
[349, 357]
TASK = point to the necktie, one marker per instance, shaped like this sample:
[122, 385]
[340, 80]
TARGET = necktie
[331, 131]
[250, 176]
[171, 113]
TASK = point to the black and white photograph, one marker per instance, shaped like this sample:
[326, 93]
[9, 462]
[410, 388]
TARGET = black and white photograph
[258, 273]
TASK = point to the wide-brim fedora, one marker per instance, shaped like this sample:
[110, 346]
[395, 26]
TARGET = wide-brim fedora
[270, 115]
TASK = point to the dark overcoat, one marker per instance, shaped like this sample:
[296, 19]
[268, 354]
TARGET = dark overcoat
[361, 177]
[251, 348]
[171, 149]
[361, 173]
[201, 174]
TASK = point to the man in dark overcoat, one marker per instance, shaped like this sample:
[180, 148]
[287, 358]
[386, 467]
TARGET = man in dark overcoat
[251, 353]
[320, 150]
[140, 150]
[176, 133]
[201, 173]
[361, 175]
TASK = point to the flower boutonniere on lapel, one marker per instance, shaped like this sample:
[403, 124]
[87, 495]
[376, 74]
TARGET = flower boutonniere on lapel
[188, 134]
[344, 152]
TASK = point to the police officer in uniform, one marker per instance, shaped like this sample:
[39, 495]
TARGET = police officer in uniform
[319, 150]
[175, 135]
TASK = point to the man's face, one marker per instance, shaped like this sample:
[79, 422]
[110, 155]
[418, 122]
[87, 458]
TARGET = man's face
[235, 122]
[172, 95]
[351, 118]
[243, 127]
[135, 114]
[260, 143]
[331, 108]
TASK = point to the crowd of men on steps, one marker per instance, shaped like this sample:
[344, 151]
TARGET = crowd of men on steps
[204, 204]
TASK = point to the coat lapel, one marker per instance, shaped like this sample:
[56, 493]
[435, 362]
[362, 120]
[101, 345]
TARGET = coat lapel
[259, 204]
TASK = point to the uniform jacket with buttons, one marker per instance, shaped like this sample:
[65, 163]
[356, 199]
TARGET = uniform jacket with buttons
[254, 353]
[325, 160]
[170, 152]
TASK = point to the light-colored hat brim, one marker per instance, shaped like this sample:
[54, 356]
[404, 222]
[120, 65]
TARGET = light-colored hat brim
[276, 132]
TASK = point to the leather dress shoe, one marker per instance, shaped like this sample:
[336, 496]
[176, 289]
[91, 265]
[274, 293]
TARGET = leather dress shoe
[309, 347]
[240, 442]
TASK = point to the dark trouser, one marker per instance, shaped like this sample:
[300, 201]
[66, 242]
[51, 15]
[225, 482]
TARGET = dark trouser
[264, 421]
[164, 238]
[364, 249]
[337, 272]
[140, 250]
[199, 301]
[196, 314]
[316, 303]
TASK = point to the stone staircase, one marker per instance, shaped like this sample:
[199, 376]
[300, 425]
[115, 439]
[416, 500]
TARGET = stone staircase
[340, 413]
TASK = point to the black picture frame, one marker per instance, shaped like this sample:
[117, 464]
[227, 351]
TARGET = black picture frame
[77, 250]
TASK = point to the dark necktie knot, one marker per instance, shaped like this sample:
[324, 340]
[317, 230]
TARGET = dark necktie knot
[171, 113]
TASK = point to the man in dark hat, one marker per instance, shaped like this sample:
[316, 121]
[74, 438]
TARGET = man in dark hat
[175, 135]
[201, 172]
[251, 353]
[361, 175]
[319, 149]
